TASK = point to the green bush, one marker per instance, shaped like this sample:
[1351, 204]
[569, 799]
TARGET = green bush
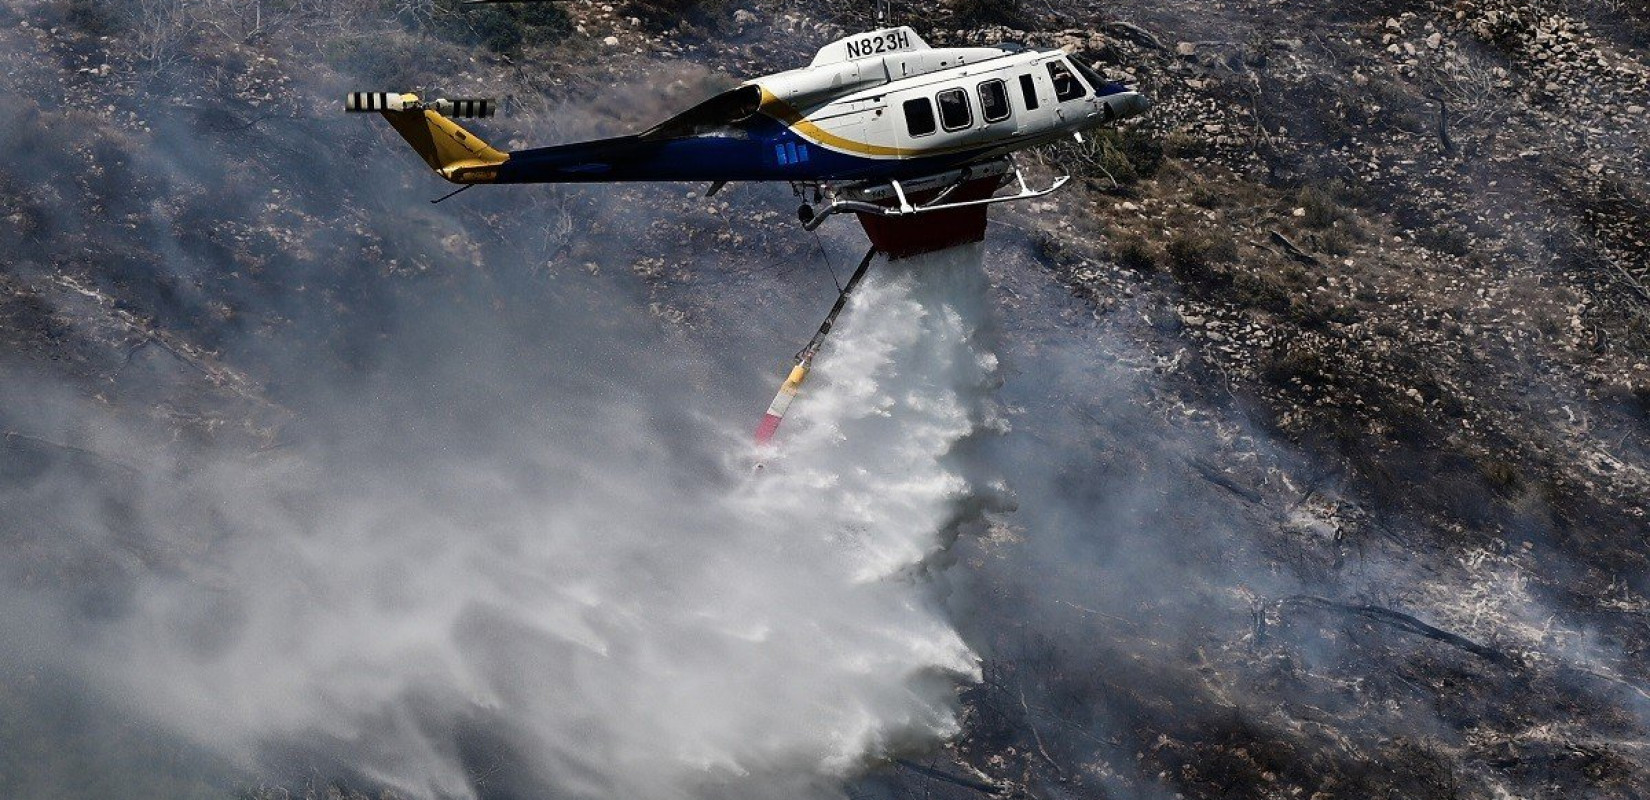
[503, 29]
[1125, 156]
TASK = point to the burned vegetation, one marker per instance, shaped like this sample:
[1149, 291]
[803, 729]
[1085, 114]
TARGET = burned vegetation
[1338, 486]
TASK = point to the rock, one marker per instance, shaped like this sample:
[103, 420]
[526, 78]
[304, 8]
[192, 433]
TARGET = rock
[611, 41]
[1435, 41]
[1186, 49]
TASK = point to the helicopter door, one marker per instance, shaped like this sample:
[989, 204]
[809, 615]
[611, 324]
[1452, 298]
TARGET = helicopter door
[1026, 102]
[1066, 87]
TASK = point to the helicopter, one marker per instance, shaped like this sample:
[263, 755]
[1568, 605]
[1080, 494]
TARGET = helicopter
[917, 141]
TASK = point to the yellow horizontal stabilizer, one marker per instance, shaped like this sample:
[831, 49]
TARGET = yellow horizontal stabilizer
[454, 153]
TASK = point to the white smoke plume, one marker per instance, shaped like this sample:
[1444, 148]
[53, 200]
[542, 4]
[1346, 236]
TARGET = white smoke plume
[473, 575]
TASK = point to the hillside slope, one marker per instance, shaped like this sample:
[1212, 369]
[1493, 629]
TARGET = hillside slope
[1326, 387]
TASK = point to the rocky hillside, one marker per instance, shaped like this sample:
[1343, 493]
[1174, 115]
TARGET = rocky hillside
[1329, 379]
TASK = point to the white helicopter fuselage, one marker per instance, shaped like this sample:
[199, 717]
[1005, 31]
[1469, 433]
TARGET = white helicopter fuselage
[879, 124]
[886, 96]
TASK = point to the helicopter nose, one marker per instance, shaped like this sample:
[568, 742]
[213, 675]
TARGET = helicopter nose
[1129, 104]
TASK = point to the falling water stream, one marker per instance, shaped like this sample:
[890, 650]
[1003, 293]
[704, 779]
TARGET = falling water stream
[482, 580]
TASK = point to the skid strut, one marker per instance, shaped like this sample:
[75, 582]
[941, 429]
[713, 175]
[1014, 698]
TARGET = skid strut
[892, 198]
[805, 356]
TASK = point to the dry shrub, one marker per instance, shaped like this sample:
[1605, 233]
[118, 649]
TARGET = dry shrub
[1321, 209]
[1201, 250]
[1297, 365]
[1448, 238]
[1132, 251]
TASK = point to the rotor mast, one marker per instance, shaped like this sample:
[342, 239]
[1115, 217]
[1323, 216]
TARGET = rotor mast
[884, 12]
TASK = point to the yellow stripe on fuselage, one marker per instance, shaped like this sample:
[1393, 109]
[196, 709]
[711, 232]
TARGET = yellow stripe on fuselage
[786, 113]
[802, 126]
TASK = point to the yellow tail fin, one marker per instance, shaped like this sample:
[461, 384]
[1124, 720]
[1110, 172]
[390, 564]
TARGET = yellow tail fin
[454, 153]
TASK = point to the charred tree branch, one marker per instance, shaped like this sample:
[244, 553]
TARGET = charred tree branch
[1443, 122]
[1212, 474]
[1038, 737]
[1294, 250]
[954, 780]
[1134, 33]
[1403, 622]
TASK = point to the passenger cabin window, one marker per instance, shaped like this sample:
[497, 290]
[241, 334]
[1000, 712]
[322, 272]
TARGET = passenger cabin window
[994, 101]
[919, 117]
[1028, 89]
[1066, 86]
[954, 111]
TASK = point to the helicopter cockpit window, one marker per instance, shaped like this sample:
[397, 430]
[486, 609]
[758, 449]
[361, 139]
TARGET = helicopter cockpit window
[1094, 80]
[994, 101]
[919, 117]
[954, 111]
[1066, 86]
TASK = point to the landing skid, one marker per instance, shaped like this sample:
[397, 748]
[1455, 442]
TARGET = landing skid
[892, 198]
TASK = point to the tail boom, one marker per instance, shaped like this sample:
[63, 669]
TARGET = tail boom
[454, 153]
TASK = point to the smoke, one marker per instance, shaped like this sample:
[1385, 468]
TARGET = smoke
[498, 531]
[508, 540]
[523, 553]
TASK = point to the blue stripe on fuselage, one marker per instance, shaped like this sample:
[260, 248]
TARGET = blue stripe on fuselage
[762, 149]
